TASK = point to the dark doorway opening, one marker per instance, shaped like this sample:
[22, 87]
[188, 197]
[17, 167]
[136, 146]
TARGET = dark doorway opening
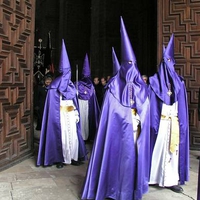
[93, 27]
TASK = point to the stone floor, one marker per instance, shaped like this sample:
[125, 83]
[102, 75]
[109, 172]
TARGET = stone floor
[25, 181]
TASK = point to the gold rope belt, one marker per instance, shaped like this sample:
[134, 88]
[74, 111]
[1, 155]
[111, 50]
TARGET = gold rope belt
[134, 111]
[174, 140]
[66, 108]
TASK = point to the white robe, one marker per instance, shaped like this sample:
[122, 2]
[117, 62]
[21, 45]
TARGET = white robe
[84, 117]
[69, 131]
[136, 123]
[164, 166]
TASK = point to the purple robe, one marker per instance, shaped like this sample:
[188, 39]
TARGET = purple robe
[86, 91]
[50, 147]
[116, 169]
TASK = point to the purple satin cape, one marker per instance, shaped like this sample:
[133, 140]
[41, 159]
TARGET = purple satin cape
[85, 88]
[155, 109]
[50, 147]
[162, 81]
[86, 91]
[115, 169]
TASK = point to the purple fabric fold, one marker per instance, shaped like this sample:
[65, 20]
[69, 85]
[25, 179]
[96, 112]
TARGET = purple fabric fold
[115, 169]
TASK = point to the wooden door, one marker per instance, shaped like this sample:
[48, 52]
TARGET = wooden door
[16, 80]
[182, 17]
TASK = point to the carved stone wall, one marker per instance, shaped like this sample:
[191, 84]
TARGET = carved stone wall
[16, 80]
[182, 17]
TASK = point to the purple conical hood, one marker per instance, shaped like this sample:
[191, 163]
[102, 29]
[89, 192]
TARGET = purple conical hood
[63, 82]
[86, 67]
[169, 51]
[128, 59]
[116, 65]
[85, 85]
[166, 83]
[168, 55]
[127, 53]
[128, 85]
[64, 66]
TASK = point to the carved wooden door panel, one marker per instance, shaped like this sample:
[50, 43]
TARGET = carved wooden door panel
[17, 19]
[182, 17]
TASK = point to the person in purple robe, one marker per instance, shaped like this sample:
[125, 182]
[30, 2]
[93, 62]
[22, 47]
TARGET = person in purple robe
[88, 103]
[60, 139]
[119, 163]
[169, 125]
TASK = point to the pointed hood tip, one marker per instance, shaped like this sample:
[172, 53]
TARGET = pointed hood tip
[127, 53]
[86, 67]
[64, 66]
[116, 65]
[121, 19]
[169, 51]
